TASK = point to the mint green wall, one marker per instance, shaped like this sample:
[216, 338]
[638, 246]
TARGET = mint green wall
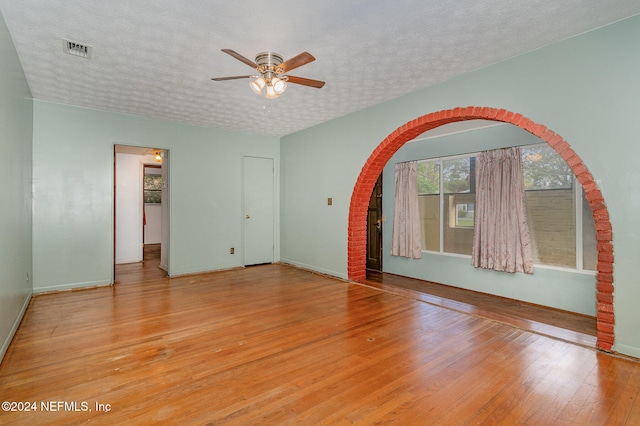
[586, 89]
[570, 291]
[73, 192]
[16, 114]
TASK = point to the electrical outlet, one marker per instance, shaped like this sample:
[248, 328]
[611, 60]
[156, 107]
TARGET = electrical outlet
[329, 201]
[232, 250]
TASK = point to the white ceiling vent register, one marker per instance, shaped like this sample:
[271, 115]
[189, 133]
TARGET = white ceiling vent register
[76, 49]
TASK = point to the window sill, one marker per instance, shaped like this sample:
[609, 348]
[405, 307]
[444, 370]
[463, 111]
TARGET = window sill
[535, 265]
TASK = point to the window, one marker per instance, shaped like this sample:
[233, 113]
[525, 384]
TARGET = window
[446, 189]
[464, 215]
[152, 189]
[559, 218]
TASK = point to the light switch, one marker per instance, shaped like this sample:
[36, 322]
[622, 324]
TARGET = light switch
[329, 201]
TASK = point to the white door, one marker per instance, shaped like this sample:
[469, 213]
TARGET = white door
[258, 203]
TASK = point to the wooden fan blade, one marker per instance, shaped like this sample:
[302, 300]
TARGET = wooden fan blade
[305, 81]
[240, 58]
[297, 61]
[235, 77]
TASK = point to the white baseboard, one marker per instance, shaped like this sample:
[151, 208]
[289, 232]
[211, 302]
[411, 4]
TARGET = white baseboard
[214, 268]
[627, 350]
[14, 328]
[59, 287]
[316, 269]
[128, 260]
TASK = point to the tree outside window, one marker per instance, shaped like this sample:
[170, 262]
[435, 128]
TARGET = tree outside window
[153, 189]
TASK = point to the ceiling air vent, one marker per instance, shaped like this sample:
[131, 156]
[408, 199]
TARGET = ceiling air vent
[76, 49]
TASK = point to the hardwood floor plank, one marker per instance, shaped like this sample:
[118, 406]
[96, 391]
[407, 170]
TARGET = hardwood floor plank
[575, 328]
[274, 344]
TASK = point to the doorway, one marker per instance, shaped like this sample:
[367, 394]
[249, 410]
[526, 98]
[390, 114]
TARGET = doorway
[141, 199]
[374, 228]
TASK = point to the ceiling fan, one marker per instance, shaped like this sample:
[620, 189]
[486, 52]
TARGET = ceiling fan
[272, 69]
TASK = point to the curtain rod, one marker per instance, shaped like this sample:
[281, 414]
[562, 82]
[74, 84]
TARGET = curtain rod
[471, 154]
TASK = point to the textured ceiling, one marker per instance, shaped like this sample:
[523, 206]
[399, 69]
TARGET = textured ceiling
[156, 58]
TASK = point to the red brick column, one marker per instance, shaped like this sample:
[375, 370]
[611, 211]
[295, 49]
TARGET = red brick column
[357, 238]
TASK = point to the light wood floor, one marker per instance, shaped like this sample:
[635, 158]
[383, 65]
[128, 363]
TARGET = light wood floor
[273, 345]
[568, 326]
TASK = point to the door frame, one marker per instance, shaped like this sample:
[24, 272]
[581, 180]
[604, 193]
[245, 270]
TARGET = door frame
[165, 243]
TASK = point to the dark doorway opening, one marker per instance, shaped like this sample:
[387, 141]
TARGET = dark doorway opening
[374, 228]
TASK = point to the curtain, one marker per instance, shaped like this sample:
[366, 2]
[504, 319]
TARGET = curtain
[501, 238]
[405, 239]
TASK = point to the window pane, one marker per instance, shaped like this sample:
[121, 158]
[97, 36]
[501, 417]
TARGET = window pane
[153, 182]
[589, 250]
[428, 177]
[429, 202]
[551, 206]
[552, 225]
[456, 175]
[153, 197]
[152, 189]
[458, 238]
[430, 221]
[465, 215]
[545, 169]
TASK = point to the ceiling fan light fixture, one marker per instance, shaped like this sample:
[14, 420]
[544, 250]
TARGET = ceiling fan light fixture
[272, 71]
[257, 85]
[271, 93]
[279, 85]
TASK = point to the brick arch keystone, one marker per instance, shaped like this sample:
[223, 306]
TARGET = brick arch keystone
[357, 231]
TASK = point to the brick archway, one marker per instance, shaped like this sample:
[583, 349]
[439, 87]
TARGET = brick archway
[357, 238]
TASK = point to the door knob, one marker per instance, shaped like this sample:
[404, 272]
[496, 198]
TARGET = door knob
[247, 217]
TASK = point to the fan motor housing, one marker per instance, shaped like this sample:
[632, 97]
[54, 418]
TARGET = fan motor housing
[268, 61]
